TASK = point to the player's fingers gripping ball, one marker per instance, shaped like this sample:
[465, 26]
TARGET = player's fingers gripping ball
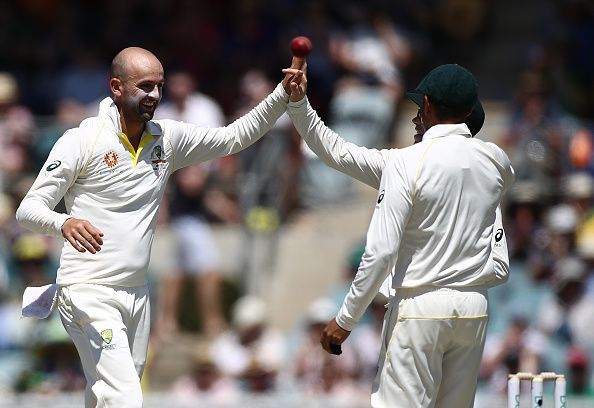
[301, 47]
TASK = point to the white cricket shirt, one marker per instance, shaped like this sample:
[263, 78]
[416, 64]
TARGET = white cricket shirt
[119, 189]
[435, 219]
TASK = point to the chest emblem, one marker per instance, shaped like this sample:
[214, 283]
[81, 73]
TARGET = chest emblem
[111, 159]
[158, 159]
[157, 154]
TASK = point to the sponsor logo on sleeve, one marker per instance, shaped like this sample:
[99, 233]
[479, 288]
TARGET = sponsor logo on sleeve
[53, 165]
[381, 196]
[498, 237]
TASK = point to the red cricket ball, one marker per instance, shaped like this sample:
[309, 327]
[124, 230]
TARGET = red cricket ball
[301, 47]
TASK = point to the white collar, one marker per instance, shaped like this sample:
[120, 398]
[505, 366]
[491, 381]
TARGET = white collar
[448, 129]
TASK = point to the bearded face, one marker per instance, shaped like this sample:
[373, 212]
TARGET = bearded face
[138, 87]
[140, 97]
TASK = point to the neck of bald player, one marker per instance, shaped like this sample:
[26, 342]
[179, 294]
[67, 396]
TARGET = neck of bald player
[133, 129]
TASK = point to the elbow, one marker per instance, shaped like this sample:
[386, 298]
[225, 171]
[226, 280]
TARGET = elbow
[501, 272]
[382, 258]
[20, 215]
[502, 278]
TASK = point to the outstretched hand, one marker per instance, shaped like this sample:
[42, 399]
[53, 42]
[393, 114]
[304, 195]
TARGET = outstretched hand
[295, 81]
[82, 235]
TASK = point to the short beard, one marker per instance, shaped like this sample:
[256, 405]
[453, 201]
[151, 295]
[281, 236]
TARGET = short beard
[133, 110]
[146, 116]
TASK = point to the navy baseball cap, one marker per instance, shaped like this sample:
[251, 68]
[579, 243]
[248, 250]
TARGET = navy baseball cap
[453, 86]
[449, 85]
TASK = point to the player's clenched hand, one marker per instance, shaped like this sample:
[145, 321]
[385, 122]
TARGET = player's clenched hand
[82, 235]
[333, 334]
[296, 64]
[295, 81]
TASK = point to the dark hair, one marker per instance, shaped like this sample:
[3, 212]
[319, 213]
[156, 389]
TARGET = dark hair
[450, 112]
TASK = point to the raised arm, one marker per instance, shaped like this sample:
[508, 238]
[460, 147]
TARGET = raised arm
[193, 144]
[361, 163]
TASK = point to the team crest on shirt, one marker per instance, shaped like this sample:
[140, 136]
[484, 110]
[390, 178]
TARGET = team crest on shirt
[157, 153]
[107, 337]
[111, 159]
[157, 158]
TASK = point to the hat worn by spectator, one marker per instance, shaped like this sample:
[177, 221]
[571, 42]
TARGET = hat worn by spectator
[562, 219]
[321, 310]
[249, 311]
[453, 86]
[579, 185]
[570, 269]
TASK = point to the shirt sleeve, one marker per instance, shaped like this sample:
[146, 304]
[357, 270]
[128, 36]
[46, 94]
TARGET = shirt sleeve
[499, 252]
[507, 171]
[361, 163]
[392, 211]
[194, 144]
[62, 167]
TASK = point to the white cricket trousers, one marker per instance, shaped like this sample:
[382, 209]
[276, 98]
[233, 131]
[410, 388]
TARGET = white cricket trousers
[433, 340]
[110, 327]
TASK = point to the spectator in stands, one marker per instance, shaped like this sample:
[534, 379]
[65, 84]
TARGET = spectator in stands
[519, 348]
[191, 206]
[205, 383]
[267, 176]
[84, 78]
[195, 253]
[317, 372]
[579, 375]
[184, 102]
[17, 129]
[523, 212]
[556, 241]
[251, 352]
[535, 139]
[372, 54]
[68, 114]
[568, 316]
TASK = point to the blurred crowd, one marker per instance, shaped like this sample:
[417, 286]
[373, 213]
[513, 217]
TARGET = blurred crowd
[221, 59]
